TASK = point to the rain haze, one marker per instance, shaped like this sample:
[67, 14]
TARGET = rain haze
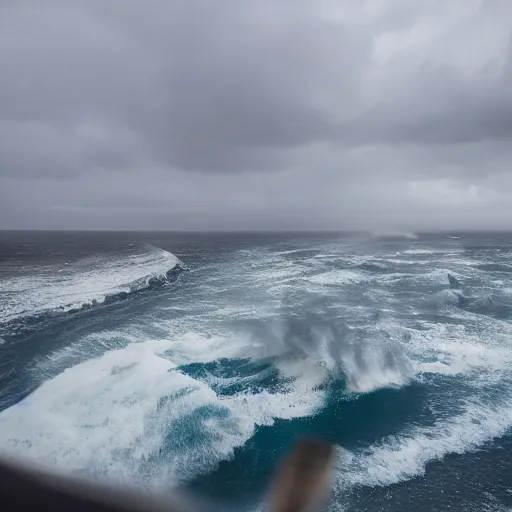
[244, 115]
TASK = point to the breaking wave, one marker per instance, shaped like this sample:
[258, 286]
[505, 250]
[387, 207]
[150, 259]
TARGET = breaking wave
[143, 418]
[70, 288]
[398, 361]
[365, 359]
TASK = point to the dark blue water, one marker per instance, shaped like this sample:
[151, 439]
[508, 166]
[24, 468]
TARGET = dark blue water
[195, 360]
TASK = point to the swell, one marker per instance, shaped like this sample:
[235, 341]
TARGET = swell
[137, 287]
[31, 322]
[481, 304]
[494, 267]
[396, 398]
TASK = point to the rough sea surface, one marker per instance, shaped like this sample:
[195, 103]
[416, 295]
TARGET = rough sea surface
[168, 360]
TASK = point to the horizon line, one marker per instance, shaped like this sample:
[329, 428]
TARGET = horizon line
[382, 232]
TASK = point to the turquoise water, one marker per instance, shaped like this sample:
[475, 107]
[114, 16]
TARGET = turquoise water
[194, 361]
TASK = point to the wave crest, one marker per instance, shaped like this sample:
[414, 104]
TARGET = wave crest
[368, 360]
[48, 291]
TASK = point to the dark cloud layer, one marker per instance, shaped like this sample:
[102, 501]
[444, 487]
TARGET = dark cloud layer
[277, 114]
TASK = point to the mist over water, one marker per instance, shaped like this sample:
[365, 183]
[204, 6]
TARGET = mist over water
[194, 361]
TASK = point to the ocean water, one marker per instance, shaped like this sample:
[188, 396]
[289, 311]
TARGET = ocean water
[193, 361]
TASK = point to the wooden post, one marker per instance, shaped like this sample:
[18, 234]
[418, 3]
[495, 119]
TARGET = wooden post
[304, 479]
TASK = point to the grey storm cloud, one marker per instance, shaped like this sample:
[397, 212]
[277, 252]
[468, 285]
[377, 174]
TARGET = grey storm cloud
[236, 114]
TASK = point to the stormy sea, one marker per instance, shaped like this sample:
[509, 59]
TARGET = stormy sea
[194, 361]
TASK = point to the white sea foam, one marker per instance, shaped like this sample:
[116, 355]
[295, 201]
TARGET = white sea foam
[419, 252]
[185, 347]
[375, 366]
[449, 349]
[337, 277]
[455, 358]
[128, 404]
[480, 351]
[92, 279]
[112, 416]
[406, 455]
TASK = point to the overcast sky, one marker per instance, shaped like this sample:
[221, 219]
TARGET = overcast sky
[256, 114]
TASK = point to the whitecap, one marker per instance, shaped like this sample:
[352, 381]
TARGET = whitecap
[128, 415]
